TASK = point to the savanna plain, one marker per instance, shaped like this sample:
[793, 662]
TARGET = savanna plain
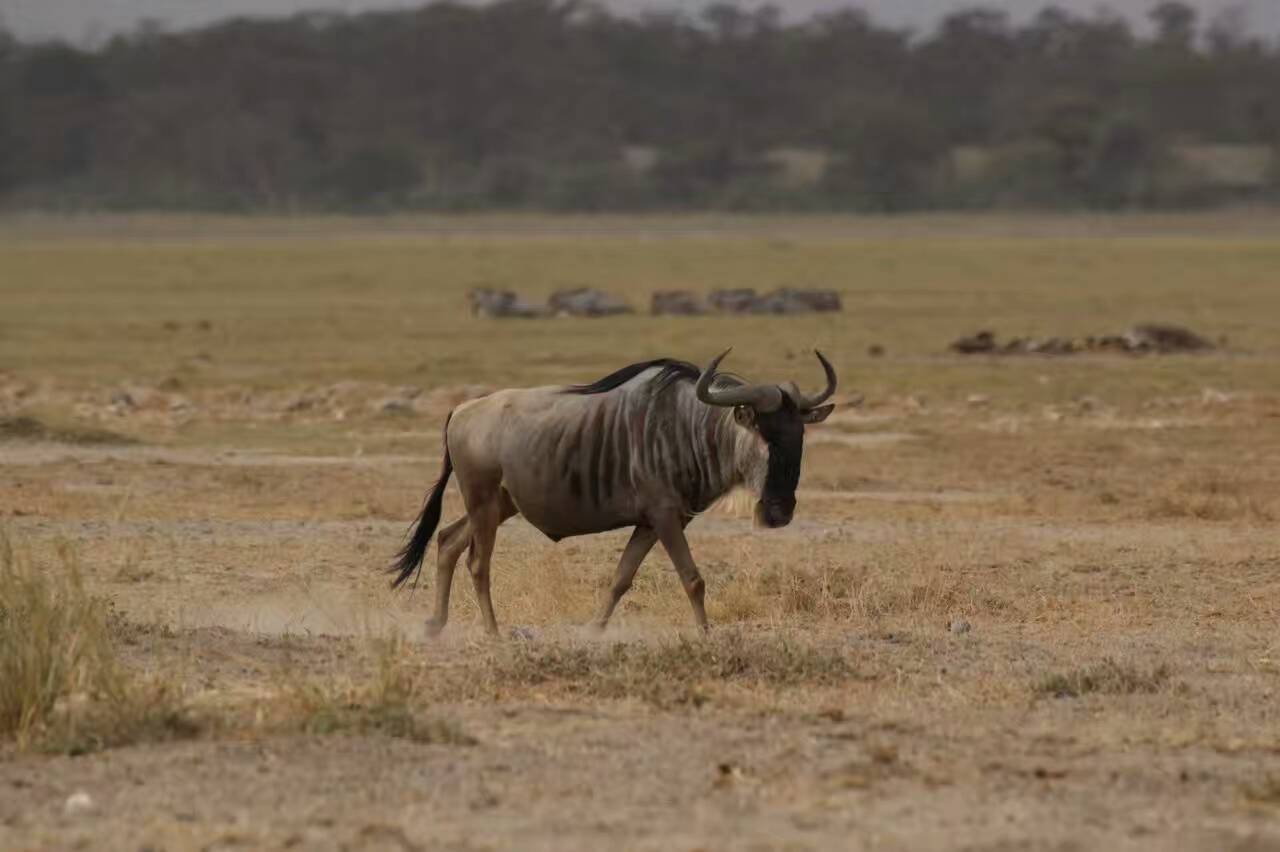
[1027, 602]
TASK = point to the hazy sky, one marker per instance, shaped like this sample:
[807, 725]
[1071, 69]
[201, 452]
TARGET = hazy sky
[81, 20]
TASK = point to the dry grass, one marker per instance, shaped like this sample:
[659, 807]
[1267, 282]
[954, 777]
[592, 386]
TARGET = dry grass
[54, 644]
[61, 684]
[1265, 791]
[1095, 524]
[63, 688]
[1108, 677]
[1214, 495]
[390, 702]
[663, 672]
[228, 311]
[28, 428]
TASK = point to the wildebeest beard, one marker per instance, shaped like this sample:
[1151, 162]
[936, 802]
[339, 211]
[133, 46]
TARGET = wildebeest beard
[783, 434]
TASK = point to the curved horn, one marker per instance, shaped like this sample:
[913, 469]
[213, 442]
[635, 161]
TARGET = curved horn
[806, 402]
[760, 397]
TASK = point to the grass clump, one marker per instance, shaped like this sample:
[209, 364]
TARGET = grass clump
[1265, 791]
[1107, 677]
[61, 684]
[1213, 496]
[385, 704]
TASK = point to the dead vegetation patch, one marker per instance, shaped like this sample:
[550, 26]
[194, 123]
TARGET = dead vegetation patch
[1211, 496]
[389, 703]
[24, 427]
[925, 590]
[1108, 677]
[664, 673]
[1265, 791]
[64, 689]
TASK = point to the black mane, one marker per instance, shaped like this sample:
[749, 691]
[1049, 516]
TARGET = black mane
[672, 370]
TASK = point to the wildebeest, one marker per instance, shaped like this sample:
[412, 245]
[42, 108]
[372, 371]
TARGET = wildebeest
[586, 302]
[676, 303]
[648, 446]
[1163, 337]
[735, 301]
[785, 300]
[790, 301]
[500, 304]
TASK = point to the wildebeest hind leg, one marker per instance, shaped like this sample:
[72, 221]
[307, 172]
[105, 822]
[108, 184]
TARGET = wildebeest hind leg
[642, 541]
[485, 518]
[451, 541]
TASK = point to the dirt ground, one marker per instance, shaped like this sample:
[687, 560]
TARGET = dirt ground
[1022, 606]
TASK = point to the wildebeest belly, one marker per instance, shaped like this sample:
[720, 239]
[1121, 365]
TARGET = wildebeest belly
[559, 510]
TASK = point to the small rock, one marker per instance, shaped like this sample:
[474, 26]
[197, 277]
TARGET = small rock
[1088, 404]
[123, 399]
[875, 350]
[958, 626]
[525, 634]
[983, 341]
[77, 803]
[1210, 396]
[978, 400]
[395, 406]
[301, 402]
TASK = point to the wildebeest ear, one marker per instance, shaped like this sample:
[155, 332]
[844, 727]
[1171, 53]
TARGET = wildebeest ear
[817, 415]
[745, 415]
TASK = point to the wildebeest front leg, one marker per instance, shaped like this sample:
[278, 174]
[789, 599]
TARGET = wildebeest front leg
[642, 541]
[452, 540]
[671, 534]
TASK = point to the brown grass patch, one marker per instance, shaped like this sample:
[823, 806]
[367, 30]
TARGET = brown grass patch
[917, 582]
[1265, 791]
[388, 703]
[665, 673]
[27, 428]
[1211, 496]
[1108, 677]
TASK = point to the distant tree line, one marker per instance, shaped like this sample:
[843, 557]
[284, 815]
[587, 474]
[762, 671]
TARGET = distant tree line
[532, 104]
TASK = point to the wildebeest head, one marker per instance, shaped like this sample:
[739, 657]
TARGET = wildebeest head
[775, 415]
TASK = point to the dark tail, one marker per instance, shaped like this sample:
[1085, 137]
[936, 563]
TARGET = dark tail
[409, 559]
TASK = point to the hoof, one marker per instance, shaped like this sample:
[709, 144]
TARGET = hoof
[433, 628]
